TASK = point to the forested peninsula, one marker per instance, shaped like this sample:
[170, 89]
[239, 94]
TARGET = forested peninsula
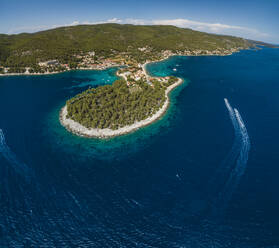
[117, 109]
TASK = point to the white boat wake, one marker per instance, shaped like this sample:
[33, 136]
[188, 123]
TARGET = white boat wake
[6, 152]
[234, 165]
[232, 114]
[224, 169]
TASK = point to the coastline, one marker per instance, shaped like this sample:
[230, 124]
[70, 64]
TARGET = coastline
[82, 69]
[57, 72]
[31, 74]
[80, 130]
[118, 65]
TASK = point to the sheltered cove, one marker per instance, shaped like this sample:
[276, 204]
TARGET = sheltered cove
[92, 132]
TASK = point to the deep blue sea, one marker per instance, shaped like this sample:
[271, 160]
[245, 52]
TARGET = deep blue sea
[199, 177]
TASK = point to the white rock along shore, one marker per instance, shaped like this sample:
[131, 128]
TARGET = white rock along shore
[80, 130]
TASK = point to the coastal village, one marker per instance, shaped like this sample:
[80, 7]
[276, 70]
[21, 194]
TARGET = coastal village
[134, 70]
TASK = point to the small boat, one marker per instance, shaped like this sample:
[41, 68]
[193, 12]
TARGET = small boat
[174, 69]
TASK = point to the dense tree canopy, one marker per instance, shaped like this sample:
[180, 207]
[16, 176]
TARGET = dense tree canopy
[117, 105]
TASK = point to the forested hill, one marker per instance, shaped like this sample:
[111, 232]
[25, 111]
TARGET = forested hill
[62, 43]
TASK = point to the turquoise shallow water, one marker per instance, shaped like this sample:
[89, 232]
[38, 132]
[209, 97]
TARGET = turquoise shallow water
[107, 149]
[171, 184]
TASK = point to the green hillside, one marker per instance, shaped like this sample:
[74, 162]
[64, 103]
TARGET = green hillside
[105, 40]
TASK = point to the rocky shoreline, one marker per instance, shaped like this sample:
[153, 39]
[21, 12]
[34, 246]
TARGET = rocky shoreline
[80, 130]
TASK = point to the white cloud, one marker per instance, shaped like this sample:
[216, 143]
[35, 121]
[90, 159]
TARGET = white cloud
[202, 26]
[218, 28]
[211, 27]
[112, 20]
[137, 21]
[74, 23]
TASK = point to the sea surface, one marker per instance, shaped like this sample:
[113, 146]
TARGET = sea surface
[204, 175]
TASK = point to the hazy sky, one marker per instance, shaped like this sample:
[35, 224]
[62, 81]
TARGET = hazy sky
[246, 18]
